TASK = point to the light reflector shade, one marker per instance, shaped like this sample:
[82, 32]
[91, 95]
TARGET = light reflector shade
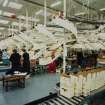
[8, 14]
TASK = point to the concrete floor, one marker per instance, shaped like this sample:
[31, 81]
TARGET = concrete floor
[37, 87]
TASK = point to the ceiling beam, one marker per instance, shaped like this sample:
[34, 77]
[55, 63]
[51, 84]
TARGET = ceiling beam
[85, 21]
[41, 5]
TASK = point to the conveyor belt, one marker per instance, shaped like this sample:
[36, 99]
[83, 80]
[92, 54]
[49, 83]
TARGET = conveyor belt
[54, 99]
[61, 100]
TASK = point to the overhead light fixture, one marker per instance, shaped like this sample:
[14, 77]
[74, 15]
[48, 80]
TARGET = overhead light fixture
[34, 19]
[39, 12]
[12, 29]
[55, 4]
[2, 28]
[5, 3]
[21, 17]
[48, 13]
[81, 13]
[102, 9]
[8, 14]
[15, 5]
[78, 23]
[29, 18]
[15, 23]
[4, 21]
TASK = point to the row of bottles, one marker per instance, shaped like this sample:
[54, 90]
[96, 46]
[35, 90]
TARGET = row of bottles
[76, 85]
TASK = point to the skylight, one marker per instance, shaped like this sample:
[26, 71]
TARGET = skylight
[4, 21]
[15, 5]
[5, 3]
[8, 14]
[56, 4]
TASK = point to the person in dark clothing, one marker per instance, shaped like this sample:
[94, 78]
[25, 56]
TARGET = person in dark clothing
[80, 58]
[26, 62]
[15, 60]
[0, 55]
[94, 56]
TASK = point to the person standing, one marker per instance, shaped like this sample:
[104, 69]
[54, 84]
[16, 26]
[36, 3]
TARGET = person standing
[15, 61]
[5, 57]
[0, 55]
[26, 62]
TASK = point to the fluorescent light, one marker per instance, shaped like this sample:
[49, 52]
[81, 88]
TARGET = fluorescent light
[15, 23]
[102, 9]
[34, 19]
[81, 13]
[39, 12]
[21, 17]
[2, 28]
[8, 14]
[56, 4]
[29, 18]
[4, 21]
[5, 3]
[78, 23]
[48, 13]
[12, 29]
[15, 5]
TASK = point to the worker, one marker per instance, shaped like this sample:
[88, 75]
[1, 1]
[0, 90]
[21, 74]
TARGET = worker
[26, 62]
[80, 58]
[15, 61]
[0, 55]
[5, 57]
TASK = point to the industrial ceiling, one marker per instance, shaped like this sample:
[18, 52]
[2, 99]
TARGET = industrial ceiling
[11, 11]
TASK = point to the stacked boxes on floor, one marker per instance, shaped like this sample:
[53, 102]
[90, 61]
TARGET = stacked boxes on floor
[82, 83]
